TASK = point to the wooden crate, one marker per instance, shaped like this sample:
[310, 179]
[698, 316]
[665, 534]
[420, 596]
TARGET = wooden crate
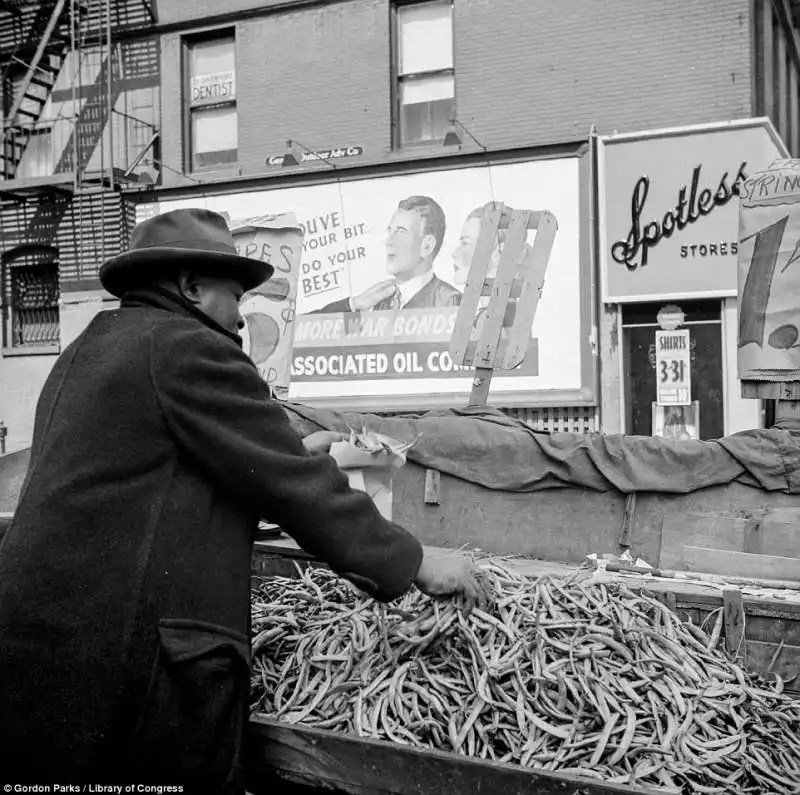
[320, 761]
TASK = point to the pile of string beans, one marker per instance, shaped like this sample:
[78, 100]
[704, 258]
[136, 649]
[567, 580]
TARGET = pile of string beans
[558, 674]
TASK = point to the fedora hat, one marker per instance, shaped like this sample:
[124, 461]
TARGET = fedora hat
[192, 238]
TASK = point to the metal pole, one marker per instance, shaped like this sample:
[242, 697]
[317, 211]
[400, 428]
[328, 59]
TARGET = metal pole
[109, 95]
[74, 53]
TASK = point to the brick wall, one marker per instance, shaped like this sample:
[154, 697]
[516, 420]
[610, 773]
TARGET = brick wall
[171, 12]
[527, 73]
[547, 70]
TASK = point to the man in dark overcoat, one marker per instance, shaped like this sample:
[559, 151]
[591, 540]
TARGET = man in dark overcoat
[125, 574]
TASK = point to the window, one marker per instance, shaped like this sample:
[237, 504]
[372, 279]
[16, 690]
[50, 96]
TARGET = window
[31, 290]
[425, 99]
[213, 123]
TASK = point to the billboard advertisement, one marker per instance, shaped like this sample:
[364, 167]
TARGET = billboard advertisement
[669, 210]
[383, 266]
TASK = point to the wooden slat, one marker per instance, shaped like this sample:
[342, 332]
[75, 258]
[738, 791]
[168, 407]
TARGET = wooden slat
[488, 286]
[432, 481]
[742, 564]
[771, 390]
[535, 269]
[626, 532]
[733, 616]
[708, 594]
[465, 319]
[363, 766]
[486, 354]
[697, 529]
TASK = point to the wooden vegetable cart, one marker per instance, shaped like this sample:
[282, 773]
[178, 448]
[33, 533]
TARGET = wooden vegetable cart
[728, 530]
[325, 760]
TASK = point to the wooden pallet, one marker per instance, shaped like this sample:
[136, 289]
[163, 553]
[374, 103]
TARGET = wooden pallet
[506, 320]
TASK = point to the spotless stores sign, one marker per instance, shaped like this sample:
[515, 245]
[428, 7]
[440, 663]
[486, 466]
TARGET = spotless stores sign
[669, 209]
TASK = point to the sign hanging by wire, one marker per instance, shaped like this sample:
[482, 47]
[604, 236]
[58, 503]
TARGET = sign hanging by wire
[673, 368]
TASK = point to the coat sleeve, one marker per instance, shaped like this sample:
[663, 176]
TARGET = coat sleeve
[216, 407]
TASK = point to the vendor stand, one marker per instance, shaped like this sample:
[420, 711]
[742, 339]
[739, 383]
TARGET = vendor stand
[700, 525]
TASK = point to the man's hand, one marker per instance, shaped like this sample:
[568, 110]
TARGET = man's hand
[373, 295]
[321, 441]
[454, 575]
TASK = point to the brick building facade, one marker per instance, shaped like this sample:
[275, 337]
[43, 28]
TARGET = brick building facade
[526, 74]
[525, 80]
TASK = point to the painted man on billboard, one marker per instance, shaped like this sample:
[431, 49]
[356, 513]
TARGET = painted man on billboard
[413, 240]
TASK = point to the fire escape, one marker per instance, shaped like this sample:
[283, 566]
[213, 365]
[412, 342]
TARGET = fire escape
[52, 45]
[80, 99]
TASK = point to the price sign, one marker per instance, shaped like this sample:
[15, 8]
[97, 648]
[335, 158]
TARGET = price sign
[673, 368]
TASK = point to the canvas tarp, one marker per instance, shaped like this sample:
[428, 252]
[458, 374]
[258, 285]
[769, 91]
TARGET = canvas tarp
[486, 447]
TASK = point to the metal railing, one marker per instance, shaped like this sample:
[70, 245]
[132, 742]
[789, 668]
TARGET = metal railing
[50, 147]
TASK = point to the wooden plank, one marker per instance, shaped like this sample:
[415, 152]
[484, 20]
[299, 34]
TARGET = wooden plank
[432, 481]
[481, 384]
[733, 617]
[697, 529]
[743, 564]
[788, 412]
[705, 592]
[780, 532]
[516, 233]
[626, 533]
[363, 766]
[468, 308]
[535, 270]
[771, 390]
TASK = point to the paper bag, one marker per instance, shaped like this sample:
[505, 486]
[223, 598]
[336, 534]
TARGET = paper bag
[370, 461]
[769, 274]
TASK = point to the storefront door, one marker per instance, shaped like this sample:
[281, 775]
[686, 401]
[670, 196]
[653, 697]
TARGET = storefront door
[703, 319]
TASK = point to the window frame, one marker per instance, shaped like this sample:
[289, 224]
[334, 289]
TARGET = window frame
[190, 112]
[397, 78]
[18, 257]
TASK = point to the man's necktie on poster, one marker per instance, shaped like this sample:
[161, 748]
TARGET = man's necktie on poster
[396, 301]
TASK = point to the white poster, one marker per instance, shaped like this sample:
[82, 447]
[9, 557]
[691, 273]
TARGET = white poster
[769, 275]
[673, 368]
